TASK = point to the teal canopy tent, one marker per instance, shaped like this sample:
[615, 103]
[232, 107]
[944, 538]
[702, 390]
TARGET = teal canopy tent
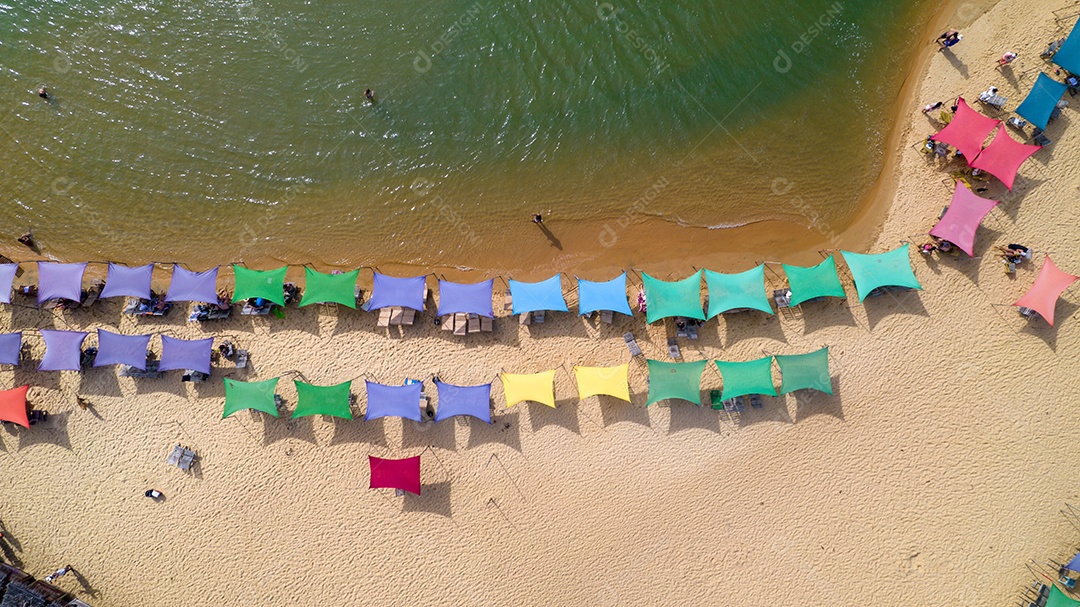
[257, 395]
[1068, 54]
[808, 371]
[329, 288]
[265, 284]
[750, 377]
[1042, 100]
[323, 400]
[675, 380]
[665, 299]
[1057, 598]
[814, 282]
[728, 292]
[888, 269]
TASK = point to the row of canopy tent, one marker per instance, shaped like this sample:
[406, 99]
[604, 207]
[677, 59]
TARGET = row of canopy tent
[63, 351]
[968, 131]
[666, 380]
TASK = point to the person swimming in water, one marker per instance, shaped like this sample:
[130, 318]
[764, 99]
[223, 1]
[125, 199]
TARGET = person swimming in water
[43, 93]
[370, 96]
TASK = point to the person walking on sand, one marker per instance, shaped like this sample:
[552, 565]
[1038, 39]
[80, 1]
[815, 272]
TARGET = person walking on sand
[537, 218]
[949, 39]
[61, 572]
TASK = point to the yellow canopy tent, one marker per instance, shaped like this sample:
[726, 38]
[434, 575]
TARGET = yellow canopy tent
[611, 381]
[536, 387]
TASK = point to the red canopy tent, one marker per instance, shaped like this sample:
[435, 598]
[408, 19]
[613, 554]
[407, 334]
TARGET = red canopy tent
[967, 131]
[1043, 295]
[13, 406]
[1003, 157]
[403, 474]
[966, 212]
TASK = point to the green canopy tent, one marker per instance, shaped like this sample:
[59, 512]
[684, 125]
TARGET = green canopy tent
[665, 299]
[675, 380]
[267, 284]
[750, 377]
[805, 371]
[745, 290]
[1057, 598]
[323, 400]
[256, 395]
[815, 282]
[888, 269]
[329, 288]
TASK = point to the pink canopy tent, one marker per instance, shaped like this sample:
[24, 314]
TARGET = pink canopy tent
[403, 474]
[1043, 295]
[966, 212]
[967, 131]
[1003, 157]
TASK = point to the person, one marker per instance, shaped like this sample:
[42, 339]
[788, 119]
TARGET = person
[226, 349]
[43, 93]
[927, 248]
[1015, 253]
[27, 240]
[932, 106]
[152, 494]
[944, 245]
[370, 96]
[538, 218]
[1007, 58]
[642, 304]
[949, 39]
[58, 573]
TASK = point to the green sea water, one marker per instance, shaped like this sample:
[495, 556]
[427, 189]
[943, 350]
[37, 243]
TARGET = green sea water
[211, 131]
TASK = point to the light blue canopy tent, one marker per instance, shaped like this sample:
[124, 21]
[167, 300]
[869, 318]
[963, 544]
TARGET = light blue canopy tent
[393, 401]
[454, 400]
[610, 295]
[888, 269]
[729, 292]
[1041, 101]
[536, 296]
[665, 299]
[1068, 55]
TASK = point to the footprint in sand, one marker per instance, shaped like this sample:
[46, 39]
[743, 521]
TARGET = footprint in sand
[914, 563]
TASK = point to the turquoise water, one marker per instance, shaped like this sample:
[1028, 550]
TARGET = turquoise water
[215, 131]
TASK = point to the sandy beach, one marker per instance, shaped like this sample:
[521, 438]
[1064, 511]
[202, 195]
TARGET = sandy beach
[935, 472]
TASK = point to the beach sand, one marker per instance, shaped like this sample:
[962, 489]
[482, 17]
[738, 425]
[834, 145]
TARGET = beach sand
[931, 476]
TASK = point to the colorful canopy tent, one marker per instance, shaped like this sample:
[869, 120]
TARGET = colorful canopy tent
[888, 269]
[675, 380]
[1043, 295]
[665, 299]
[1057, 598]
[116, 349]
[200, 287]
[740, 291]
[13, 406]
[610, 295]
[808, 371]
[60, 281]
[63, 350]
[967, 131]
[962, 219]
[323, 400]
[191, 354]
[7, 277]
[393, 401]
[122, 281]
[10, 348]
[255, 395]
[612, 381]
[463, 400]
[535, 387]
[1003, 157]
[749, 377]
[329, 288]
[1068, 54]
[401, 474]
[1042, 100]
[261, 284]
[814, 282]
[536, 296]
[455, 297]
[388, 292]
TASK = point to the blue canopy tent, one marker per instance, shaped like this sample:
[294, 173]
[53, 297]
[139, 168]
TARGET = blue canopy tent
[60, 281]
[116, 349]
[391, 292]
[597, 296]
[10, 347]
[63, 350]
[464, 400]
[200, 287]
[122, 281]
[7, 277]
[1074, 563]
[1068, 55]
[1041, 101]
[455, 297]
[185, 354]
[536, 296]
[393, 401]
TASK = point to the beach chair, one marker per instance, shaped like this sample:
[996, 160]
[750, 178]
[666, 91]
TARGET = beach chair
[990, 97]
[607, 316]
[474, 323]
[525, 318]
[1041, 140]
[631, 344]
[195, 377]
[396, 315]
[1016, 122]
[1052, 48]
[92, 294]
[715, 401]
[691, 329]
[174, 456]
[187, 457]
[460, 323]
[734, 405]
[755, 401]
[86, 359]
[408, 316]
[151, 370]
[1027, 312]
[508, 302]
[673, 348]
[680, 327]
[486, 324]
[539, 316]
[242, 359]
[384, 318]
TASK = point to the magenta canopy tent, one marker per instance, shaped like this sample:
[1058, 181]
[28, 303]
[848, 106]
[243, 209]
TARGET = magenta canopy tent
[116, 349]
[403, 474]
[199, 287]
[60, 281]
[63, 350]
[393, 401]
[7, 276]
[122, 281]
[1003, 157]
[966, 212]
[191, 354]
[967, 131]
[388, 291]
[10, 347]
[1043, 295]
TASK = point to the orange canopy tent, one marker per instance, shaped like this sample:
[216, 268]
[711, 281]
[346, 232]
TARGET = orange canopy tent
[13, 406]
[1043, 295]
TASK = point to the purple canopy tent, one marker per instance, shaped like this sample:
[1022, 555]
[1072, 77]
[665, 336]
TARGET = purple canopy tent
[116, 349]
[60, 281]
[390, 292]
[959, 223]
[393, 401]
[457, 297]
[464, 400]
[122, 281]
[10, 347]
[183, 354]
[7, 276]
[199, 287]
[63, 350]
